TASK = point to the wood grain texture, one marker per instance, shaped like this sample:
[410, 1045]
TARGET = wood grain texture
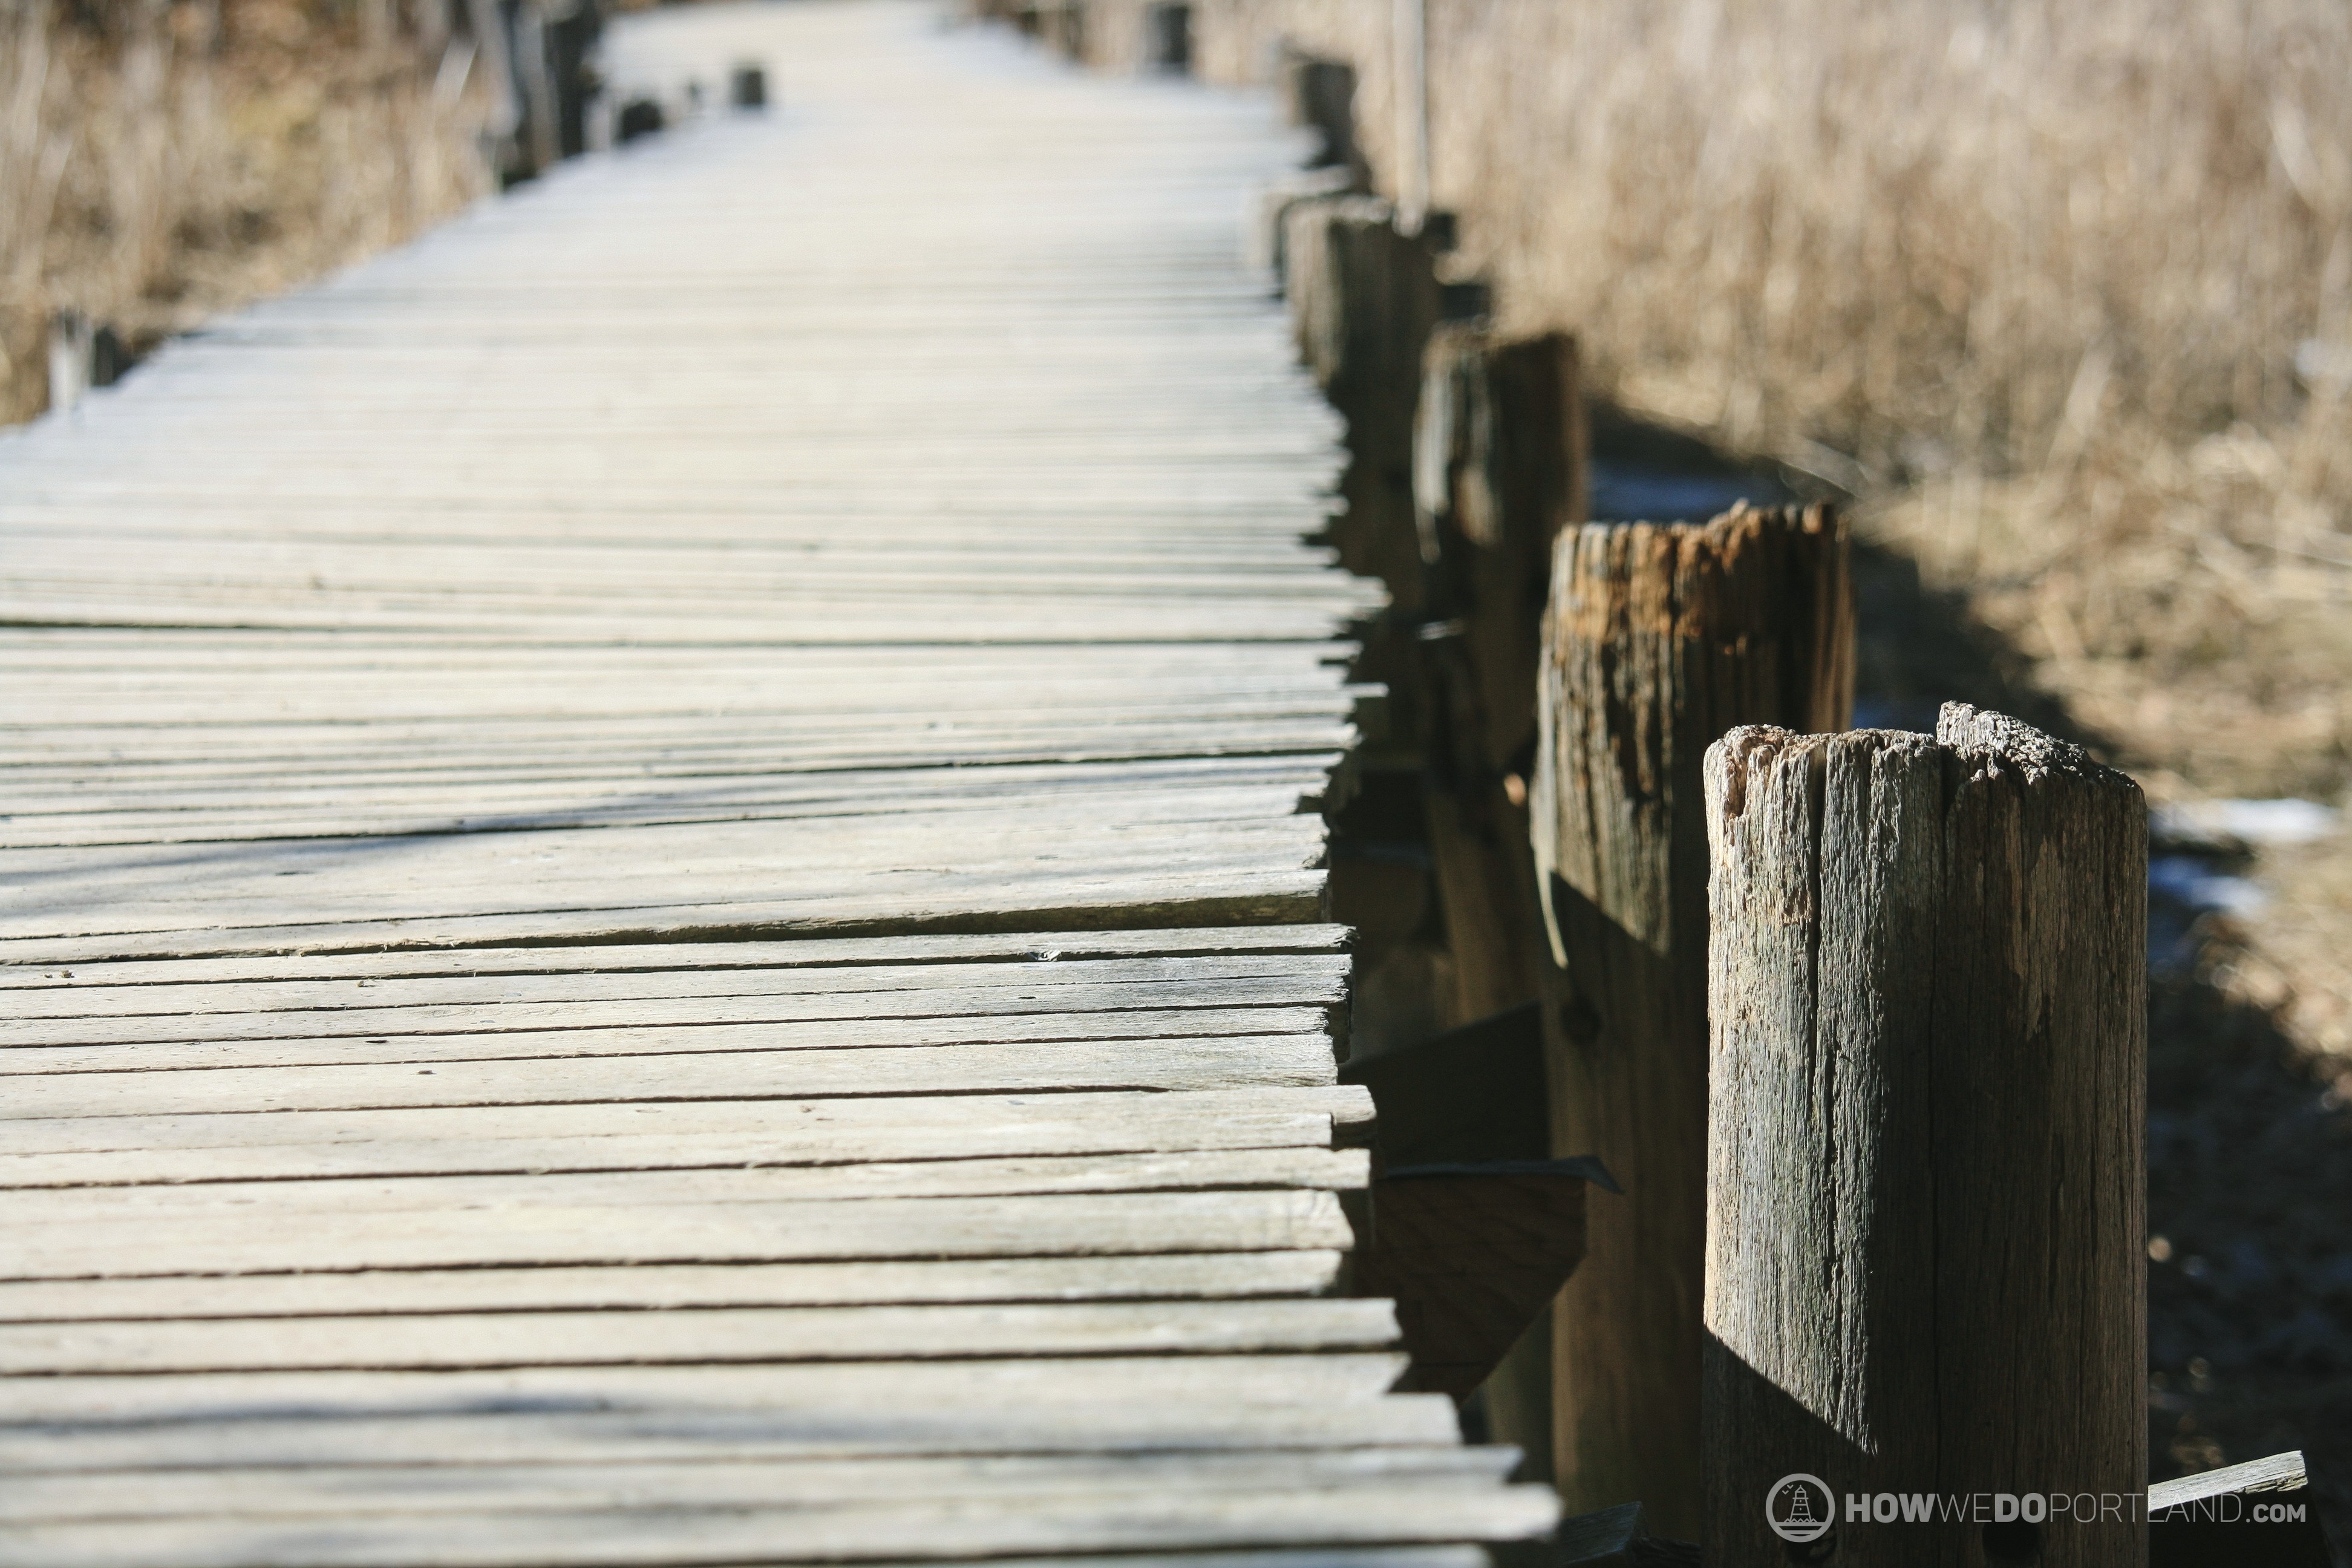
[1658, 639]
[1925, 1186]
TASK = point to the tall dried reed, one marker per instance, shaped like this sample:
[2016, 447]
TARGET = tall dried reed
[162, 159]
[2063, 287]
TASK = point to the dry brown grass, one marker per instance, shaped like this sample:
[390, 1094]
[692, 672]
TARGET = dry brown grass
[2032, 278]
[160, 160]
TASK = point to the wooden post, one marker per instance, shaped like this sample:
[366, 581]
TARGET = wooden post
[1363, 299]
[747, 85]
[1321, 94]
[1925, 1196]
[571, 46]
[72, 350]
[1409, 49]
[1263, 248]
[1069, 30]
[83, 356]
[638, 117]
[539, 134]
[1658, 639]
[1167, 45]
[486, 21]
[1498, 472]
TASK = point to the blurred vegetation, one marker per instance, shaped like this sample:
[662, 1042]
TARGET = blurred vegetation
[162, 160]
[2062, 291]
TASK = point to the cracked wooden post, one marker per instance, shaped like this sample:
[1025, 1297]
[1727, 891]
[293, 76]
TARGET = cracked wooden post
[1925, 1190]
[1659, 638]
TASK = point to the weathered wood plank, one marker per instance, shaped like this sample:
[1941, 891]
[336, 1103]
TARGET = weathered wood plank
[664, 959]
[587, 1426]
[1096, 1516]
[1064, 1391]
[767, 1231]
[1183, 1276]
[340, 1489]
[1040, 1067]
[84, 1015]
[698, 1336]
[298, 1201]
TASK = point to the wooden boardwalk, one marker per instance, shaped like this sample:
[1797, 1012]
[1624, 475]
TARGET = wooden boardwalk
[659, 874]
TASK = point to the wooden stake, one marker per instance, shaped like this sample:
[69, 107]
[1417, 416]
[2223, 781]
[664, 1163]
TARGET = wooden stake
[1926, 1187]
[1363, 299]
[1499, 443]
[1321, 94]
[1659, 638]
[1167, 44]
[1409, 44]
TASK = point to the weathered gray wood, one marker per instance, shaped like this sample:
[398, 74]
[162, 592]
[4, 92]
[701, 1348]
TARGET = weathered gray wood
[1237, 1062]
[1065, 1392]
[662, 963]
[1924, 1227]
[592, 1426]
[1239, 981]
[698, 1337]
[2275, 1473]
[784, 1230]
[677, 832]
[641, 1134]
[476, 1037]
[1498, 472]
[1331, 1169]
[1220, 981]
[1100, 1516]
[2260, 1511]
[1184, 1275]
[339, 1489]
[1658, 639]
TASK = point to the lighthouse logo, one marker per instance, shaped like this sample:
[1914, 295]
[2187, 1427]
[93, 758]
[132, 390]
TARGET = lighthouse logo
[1798, 1509]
